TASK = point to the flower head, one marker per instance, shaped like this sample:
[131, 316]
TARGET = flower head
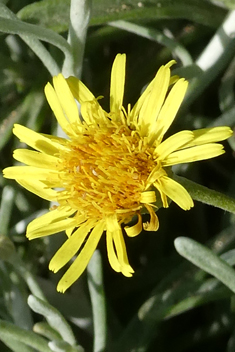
[111, 167]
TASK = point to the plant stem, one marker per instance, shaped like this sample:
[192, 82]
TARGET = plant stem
[79, 21]
[206, 195]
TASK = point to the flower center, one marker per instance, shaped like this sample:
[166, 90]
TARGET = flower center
[105, 170]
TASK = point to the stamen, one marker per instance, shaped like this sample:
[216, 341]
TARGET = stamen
[106, 170]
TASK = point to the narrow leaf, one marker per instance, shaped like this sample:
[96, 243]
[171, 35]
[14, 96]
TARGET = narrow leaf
[53, 317]
[205, 259]
[54, 14]
[10, 331]
[95, 285]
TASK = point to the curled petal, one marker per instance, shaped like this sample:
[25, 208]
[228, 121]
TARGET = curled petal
[153, 225]
[148, 197]
[134, 230]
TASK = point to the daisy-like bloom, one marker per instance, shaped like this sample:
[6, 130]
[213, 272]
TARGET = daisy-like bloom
[113, 165]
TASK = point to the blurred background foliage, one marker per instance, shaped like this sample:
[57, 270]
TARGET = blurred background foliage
[169, 304]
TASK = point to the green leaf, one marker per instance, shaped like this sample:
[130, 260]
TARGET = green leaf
[226, 119]
[44, 329]
[7, 201]
[62, 346]
[28, 108]
[18, 27]
[205, 259]
[9, 23]
[208, 292]
[17, 305]
[53, 317]
[15, 345]
[184, 293]
[10, 331]
[182, 289]
[177, 49]
[228, 3]
[222, 45]
[54, 14]
[226, 91]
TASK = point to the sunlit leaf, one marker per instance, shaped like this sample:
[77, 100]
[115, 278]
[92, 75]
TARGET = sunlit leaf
[54, 14]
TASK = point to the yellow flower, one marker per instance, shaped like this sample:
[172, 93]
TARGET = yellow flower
[112, 166]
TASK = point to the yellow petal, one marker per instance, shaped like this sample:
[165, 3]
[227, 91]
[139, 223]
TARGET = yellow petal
[69, 231]
[174, 79]
[153, 102]
[112, 257]
[148, 197]
[155, 174]
[47, 230]
[120, 246]
[173, 143]
[92, 112]
[112, 223]
[54, 103]
[117, 83]
[210, 135]
[39, 188]
[136, 109]
[176, 192]
[136, 229]
[114, 228]
[51, 217]
[201, 152]
[80, 92]
[80, 263]
[70, 247]
[162, 195]
[138, 105]
[27, 172]
[66, 98]
[37, 140]
[170, 63]
[169, 110]
[37, 159]
[153, 225]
